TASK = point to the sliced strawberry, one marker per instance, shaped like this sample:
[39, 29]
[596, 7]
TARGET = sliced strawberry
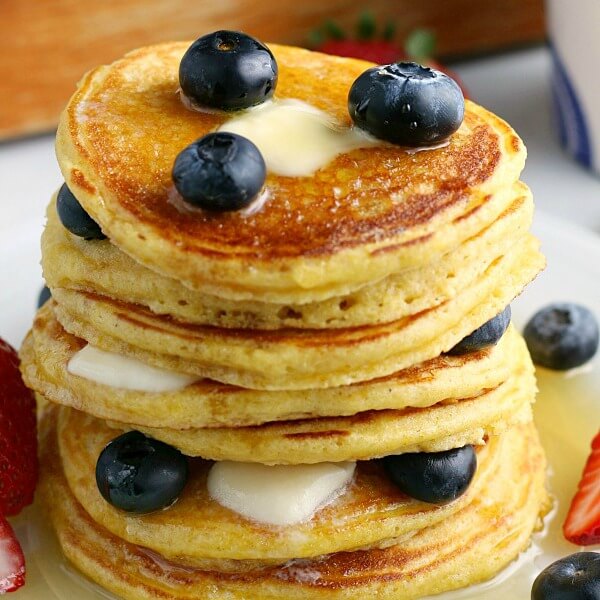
[12, 561]
[582, 525]
[18, 442]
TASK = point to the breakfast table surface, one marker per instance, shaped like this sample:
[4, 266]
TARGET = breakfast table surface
[515, 85]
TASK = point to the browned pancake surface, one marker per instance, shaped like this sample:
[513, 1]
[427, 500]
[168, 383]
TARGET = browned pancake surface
[129, 124]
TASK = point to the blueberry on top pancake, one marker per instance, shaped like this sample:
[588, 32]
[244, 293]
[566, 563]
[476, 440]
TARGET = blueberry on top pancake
[343, 225]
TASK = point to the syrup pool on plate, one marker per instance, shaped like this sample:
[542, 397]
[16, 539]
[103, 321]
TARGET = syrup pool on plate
[562, 412]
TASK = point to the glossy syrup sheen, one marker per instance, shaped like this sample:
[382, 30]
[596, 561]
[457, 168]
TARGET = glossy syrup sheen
[563, 411]
[374, 194]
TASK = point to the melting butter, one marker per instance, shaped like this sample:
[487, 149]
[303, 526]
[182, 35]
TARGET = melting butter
[295, 138]
[124, 372]
[279, 494]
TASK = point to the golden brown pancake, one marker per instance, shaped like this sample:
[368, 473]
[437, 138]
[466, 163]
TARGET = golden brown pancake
[371, 512]
[363, 216]
[364, 435]
[470, 546]
[318, 327]
[47, 350]
[100, 267]
[297, 358]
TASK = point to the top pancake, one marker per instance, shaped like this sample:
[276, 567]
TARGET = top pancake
[348, 224]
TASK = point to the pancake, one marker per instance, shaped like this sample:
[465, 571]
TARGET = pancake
[469, 546]
[364, 435]
[365, 215]
[47, 350]
[73, 263]
[318, 327]
[371, 512]
[297, 359]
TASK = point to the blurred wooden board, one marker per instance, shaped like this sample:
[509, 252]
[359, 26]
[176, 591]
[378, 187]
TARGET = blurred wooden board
[47, 45]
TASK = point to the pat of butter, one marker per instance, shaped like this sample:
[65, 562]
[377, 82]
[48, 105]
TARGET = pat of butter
[124, 372]
[279, 494]
[295, 138]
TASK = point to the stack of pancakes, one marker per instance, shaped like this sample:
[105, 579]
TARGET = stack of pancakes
[318, 329]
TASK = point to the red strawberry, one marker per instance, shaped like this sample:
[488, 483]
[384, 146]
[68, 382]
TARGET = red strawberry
[378, 51]
[18, 442]
[582, 525]
[419, 46]
[12, 561]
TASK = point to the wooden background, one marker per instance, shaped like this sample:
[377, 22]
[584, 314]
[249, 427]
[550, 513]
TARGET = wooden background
[46, 45]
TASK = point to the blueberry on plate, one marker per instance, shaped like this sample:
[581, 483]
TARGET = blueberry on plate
[486, 335]
[407, 104]
[74, 217]
[562, 336]
[435, 477]
[575, 577]
[139, 474]
[228, 70]
[44, 295]
[220, 172]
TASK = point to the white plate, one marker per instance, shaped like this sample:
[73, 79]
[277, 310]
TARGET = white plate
[567, 411]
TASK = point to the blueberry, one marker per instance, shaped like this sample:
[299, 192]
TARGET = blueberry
[407, 104]
[228, 70]
[575, 577]
[436, 477]
[44, 295]
[562, 336]
[74, 218]
[139, 475]
[486, 335]
[220, 172]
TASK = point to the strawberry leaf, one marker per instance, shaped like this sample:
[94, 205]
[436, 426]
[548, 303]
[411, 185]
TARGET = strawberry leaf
[316, 38]
[389, 31]
[420, 44]
[366, 26]
[334, 31]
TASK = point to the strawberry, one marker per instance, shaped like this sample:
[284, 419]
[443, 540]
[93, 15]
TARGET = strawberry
[582, 525]
[378, 51]
[12, 561]
[18, 442]
[419, 46]
[331, 39]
